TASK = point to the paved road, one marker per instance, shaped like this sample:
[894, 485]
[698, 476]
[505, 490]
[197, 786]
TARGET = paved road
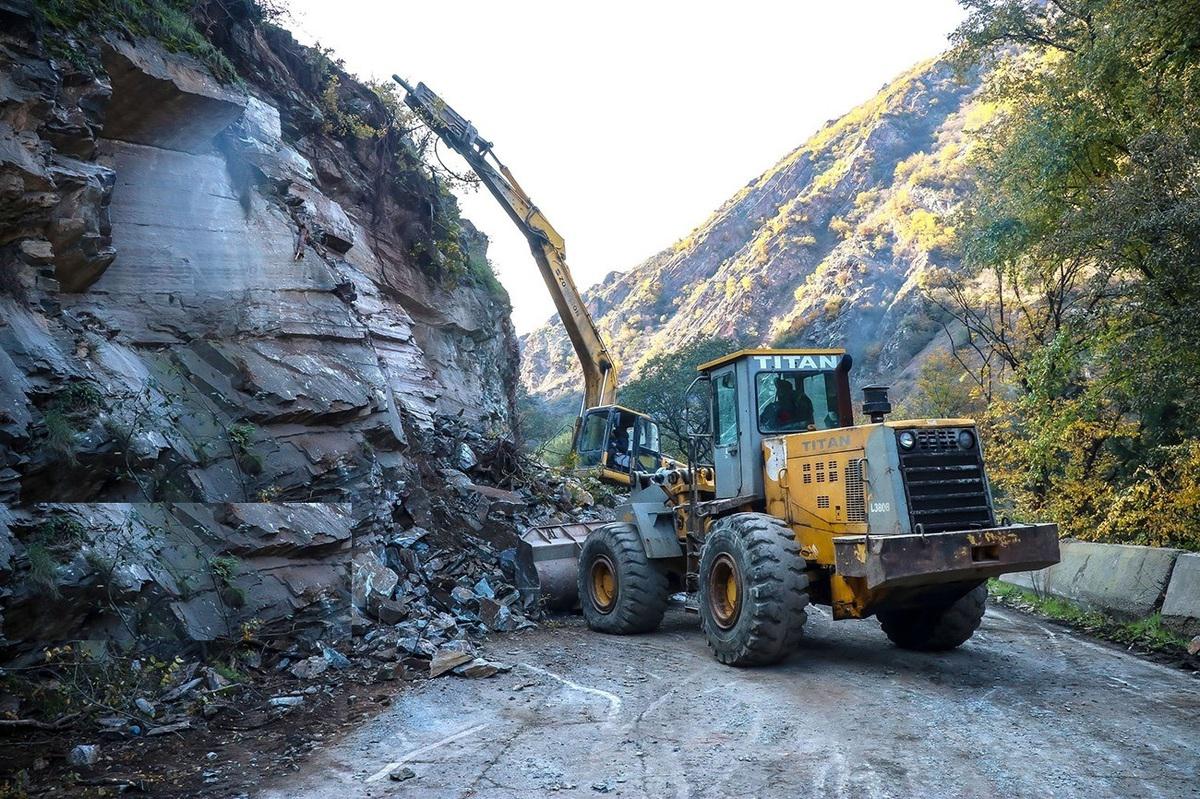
[1023, 710]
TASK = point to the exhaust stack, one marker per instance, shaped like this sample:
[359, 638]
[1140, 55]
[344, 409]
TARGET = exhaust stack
[876, 404]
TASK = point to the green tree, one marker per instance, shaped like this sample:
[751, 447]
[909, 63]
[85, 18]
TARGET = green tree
[1081, 245]
[538, 422]
[942, 390]
[661, 383]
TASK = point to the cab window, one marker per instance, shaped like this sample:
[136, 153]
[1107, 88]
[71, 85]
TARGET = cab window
[620, 442]
[725, 429]
[649, 452]
[793, 402]
[592, 438]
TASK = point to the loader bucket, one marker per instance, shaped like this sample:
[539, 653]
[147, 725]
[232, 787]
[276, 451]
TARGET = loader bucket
[894, 561]
[554, 549]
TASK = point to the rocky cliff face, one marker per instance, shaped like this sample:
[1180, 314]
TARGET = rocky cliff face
[827, 248]
[215, 295]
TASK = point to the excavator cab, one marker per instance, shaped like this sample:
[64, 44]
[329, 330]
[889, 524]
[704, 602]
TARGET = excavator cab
[618, 441]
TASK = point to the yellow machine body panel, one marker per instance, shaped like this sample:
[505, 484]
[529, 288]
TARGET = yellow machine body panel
[814, 482]
[848, 494]
[793, 357]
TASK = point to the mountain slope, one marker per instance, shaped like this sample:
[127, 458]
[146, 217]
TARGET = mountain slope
[236, 308]
[825, 248]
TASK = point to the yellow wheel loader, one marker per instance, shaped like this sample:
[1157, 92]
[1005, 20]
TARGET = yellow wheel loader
[801, 502]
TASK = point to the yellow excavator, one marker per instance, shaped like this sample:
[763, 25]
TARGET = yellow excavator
[614, 440]
[801, 503]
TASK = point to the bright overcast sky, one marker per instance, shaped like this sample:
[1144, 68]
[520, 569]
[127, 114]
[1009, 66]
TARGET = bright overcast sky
[628, 122]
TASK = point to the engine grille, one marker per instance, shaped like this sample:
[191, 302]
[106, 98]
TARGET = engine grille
[856, 499]
[946, 486]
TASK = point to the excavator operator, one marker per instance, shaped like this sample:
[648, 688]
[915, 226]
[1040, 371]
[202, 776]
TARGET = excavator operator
[618, 448]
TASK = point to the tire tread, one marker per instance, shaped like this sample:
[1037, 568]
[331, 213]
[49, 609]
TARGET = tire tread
[643, 588]
[776, 595]
[936, 629]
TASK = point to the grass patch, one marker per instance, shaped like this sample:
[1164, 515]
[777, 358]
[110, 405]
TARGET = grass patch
[242, 435]
[1148, 633]
[52, 543]
[73, 409]
[479, 268]
[230, 672]
[42, 567]
[168, 21]
[60, 434]
[225, 568]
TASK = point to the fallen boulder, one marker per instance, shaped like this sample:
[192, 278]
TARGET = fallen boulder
[448, 657]
[371, 577]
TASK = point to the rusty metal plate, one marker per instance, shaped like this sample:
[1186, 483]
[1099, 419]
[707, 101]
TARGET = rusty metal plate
[553, 541]
[898, 560]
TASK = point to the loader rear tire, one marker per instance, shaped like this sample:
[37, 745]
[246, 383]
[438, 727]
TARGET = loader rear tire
[938, 628]
[621, 591]
[753, 590]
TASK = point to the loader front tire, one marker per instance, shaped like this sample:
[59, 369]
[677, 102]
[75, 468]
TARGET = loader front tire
[621, 591]
[938, 628]
[753, 590]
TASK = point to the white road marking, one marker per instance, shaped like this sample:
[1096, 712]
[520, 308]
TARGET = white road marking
[656, 704]
[390, 767]
[1053, 636]
[614, 702]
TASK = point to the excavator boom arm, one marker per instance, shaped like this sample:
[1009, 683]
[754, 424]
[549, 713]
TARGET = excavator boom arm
[599, 368]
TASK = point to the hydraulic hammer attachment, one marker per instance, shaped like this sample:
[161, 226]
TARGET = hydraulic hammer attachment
[452, 126]
[545, 243]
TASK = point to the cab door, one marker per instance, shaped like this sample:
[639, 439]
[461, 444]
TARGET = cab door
[648, 454]
[726, 433]
[591, 442]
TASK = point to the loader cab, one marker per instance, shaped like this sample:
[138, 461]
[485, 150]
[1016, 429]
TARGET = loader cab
[763, 393]
[619, 442]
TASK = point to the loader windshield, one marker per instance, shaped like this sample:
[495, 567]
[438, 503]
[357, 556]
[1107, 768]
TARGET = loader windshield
[793, 402]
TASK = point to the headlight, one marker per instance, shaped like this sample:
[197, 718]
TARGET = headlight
[966, 439]
[908, 439]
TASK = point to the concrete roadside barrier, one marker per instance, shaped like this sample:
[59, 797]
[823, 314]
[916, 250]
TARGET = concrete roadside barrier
[1125, 581]
[1181, 607]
